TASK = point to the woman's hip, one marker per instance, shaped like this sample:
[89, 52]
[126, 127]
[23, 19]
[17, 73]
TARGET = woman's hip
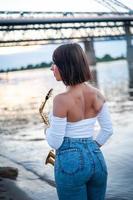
[74, 161]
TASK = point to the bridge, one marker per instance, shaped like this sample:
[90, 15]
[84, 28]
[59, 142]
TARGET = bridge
[30, 28]
[40, 28]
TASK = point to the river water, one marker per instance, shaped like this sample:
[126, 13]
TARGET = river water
[22, 139]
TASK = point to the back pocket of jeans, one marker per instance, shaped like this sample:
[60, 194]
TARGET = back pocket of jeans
[70, 160]
[101, 159]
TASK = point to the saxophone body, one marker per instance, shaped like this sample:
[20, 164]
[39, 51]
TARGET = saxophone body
[51, 155]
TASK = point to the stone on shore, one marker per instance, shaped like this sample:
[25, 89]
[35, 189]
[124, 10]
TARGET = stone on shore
[8, 172]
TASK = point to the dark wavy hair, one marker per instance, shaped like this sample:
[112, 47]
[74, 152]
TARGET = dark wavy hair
[72, 63]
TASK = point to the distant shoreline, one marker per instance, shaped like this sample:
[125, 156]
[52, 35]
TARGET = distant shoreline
[105, 58]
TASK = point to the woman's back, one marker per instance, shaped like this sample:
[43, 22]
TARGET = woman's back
[80, 102]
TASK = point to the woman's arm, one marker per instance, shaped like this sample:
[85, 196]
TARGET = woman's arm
[56, 132]
[106, 129]
[103, 118]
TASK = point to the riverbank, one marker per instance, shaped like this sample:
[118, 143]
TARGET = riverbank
[9, 191]
[24, 187]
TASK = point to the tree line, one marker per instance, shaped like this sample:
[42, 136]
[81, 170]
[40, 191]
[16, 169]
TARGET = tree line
[105, 58]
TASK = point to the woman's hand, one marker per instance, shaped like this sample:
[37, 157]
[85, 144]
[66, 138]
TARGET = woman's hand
[98, 144]
[45, 128]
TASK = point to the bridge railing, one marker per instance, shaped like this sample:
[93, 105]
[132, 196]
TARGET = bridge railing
[26, 14]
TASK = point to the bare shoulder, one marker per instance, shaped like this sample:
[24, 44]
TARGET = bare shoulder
[99, 95]
[60, 105]
[94, 92]
[98, 98]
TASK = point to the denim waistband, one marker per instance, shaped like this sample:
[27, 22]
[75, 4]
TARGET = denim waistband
[84, 140]
[71, 142]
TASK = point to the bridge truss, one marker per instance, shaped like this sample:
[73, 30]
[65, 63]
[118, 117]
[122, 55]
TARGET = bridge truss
[32, 28]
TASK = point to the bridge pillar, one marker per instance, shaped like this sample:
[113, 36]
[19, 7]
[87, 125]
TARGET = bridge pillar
[129, 57]
[90, 52]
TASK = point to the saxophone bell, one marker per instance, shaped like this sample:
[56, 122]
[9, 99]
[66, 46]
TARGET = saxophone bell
[50, 158]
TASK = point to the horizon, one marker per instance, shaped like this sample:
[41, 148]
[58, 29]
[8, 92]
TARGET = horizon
[43, 53]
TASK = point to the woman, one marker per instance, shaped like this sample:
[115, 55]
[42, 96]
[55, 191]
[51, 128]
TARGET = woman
[80, 169]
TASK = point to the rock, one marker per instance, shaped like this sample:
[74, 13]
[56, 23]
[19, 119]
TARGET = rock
[8, 172]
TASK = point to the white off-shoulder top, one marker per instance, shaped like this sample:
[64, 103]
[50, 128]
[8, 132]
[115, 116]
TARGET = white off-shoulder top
[60, 128]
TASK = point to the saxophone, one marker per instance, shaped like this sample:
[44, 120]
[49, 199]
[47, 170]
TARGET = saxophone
[51, 155]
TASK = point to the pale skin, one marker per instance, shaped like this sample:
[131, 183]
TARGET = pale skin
[78, 102]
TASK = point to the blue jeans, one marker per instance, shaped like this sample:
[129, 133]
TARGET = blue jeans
[80, 170]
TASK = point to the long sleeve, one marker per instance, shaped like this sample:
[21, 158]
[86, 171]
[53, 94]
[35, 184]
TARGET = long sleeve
[56, 132]
[106, 129]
